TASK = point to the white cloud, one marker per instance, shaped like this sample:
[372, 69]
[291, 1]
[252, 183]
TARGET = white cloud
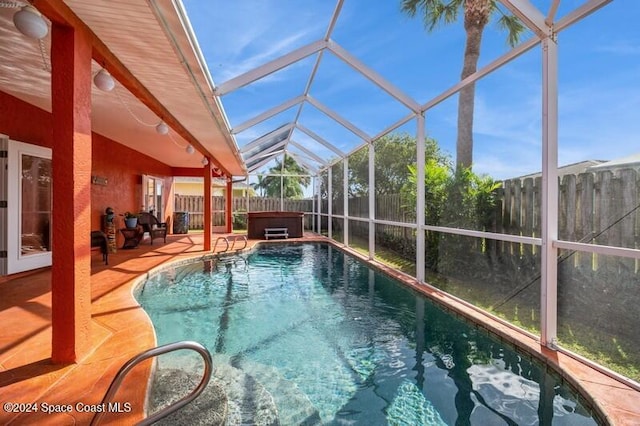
[239, 36]
[272, 51]
[620, 47]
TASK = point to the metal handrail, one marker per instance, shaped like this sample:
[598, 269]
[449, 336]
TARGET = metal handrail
[216, 243]
[234, 239]
[153, 352]
[241, 237]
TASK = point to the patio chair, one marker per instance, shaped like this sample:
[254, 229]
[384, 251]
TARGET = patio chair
[153, 226]
[99, 239]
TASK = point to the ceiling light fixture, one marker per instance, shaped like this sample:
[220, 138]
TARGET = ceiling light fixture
[205, 161]
[104, 81]
[162, 128]
[30, 22]
[190, 149]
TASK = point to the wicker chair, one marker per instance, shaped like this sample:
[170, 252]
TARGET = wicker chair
[153, 226]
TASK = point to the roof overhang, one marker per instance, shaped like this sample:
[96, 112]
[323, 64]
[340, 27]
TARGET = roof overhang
[149, 48]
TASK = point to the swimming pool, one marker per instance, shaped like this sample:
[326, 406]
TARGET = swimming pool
[306, 334]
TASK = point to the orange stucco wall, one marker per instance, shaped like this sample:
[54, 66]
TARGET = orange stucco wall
[24, 122]
[123, 169]
[121, 166]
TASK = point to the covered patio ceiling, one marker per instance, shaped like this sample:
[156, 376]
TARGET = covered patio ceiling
[162, 66]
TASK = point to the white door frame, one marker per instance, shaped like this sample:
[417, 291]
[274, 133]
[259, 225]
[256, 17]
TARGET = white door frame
[158, 210]
[4, 150]
[16, 262]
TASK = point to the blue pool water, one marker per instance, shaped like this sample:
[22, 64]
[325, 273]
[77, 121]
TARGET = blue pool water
[305, 334]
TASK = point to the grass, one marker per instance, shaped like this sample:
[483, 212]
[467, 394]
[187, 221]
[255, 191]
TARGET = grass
[622, 357]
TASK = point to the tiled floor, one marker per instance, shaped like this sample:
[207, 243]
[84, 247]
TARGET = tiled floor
[121, 329]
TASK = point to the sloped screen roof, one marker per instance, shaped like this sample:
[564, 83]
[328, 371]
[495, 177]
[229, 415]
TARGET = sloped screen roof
[265, 148]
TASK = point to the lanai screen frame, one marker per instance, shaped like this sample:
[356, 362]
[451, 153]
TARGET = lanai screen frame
[545, 30]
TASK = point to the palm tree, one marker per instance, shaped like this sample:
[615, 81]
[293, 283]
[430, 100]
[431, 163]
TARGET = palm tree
[260, 185]
[294, 177]
[476, 16]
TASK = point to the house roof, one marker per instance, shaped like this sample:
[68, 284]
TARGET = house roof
[630, 161]
[154, 43]
[216, 182]
[569, 169]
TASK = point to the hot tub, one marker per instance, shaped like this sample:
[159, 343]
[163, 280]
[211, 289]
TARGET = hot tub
[258, 221]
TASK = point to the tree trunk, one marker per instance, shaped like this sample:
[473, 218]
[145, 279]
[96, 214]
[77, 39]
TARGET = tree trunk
[476, 16]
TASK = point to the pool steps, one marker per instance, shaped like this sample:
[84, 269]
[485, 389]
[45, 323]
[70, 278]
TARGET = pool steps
[294, 406]
[210, 408]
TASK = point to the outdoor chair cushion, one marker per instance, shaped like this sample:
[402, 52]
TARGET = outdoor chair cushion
[153, 226]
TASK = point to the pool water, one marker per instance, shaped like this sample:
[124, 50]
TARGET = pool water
[306, 334]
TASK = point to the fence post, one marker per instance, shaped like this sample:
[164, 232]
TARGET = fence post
[586, 231]
[507, 208]
[528, 209]
[567, 209]
[629, 208]
[604, 195]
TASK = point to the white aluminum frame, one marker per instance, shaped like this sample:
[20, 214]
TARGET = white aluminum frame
[545, 32]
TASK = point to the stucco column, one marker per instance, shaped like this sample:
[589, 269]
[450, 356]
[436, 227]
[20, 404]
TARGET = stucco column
[71, 270]
[229, 205]
[207, 206]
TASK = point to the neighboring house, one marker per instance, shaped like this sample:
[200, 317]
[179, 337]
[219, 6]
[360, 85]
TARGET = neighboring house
[569, 169]
[195, 186]
[628, 162]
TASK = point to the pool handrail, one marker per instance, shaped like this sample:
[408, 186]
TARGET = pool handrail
[234, 239]
[241, 237]
[223, 239]
[153, 352]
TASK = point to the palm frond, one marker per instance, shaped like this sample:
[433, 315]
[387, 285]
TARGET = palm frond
[410, 6]
[514, 27]
[434, 12]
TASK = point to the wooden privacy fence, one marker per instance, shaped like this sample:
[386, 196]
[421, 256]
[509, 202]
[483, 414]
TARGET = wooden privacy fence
[595, 207]
[600, 208]
[194, 205]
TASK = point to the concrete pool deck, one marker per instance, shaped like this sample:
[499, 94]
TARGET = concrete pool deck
[121, 329]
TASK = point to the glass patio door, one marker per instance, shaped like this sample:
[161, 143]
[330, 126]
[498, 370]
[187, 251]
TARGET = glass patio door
[28, 184]
[152, 196]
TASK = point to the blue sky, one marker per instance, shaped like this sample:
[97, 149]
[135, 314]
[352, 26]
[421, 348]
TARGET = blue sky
[599, 93]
